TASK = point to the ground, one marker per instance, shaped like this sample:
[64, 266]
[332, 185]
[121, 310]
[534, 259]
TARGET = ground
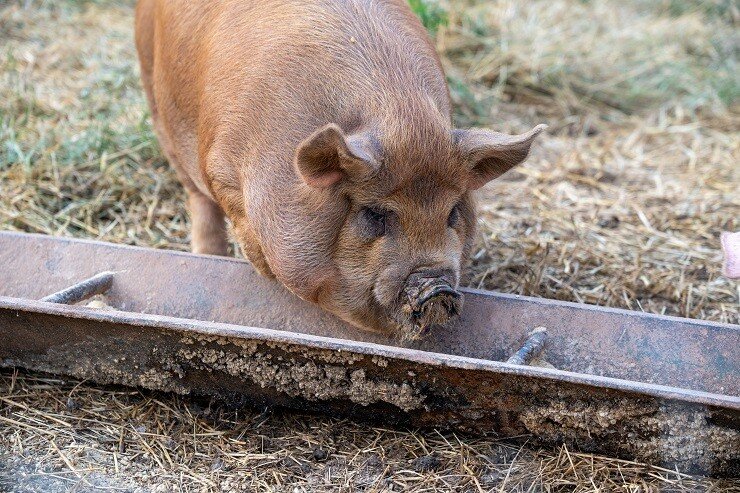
[621, 204]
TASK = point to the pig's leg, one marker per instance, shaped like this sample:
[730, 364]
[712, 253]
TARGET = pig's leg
[209, 225]
[208, 221]
[209, 228]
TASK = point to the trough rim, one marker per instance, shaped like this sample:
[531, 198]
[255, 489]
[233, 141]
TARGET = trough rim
[704, 324]
[248, 333]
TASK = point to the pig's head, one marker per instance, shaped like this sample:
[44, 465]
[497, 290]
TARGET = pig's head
[402, 219]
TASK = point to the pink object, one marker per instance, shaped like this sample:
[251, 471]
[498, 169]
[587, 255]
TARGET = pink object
[731, 249]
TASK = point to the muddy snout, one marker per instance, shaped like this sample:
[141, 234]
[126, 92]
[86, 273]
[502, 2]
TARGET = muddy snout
[429, 299]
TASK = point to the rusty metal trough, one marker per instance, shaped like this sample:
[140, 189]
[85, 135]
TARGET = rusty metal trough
[658, 389]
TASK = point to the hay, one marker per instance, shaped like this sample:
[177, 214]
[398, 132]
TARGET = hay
[61, 435]
[620, 205]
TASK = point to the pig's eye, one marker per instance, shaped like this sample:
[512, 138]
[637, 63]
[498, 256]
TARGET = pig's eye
[454, 217]
[373, 222]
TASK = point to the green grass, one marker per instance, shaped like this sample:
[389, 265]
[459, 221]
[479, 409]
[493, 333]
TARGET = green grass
[714, 8]
[431, 13]
[607, 58]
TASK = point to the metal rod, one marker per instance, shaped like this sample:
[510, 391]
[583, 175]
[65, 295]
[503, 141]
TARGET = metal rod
[98, 284]
[531, 348]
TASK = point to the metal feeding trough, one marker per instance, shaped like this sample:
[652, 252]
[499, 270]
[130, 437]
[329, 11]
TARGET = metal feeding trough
[658, 389]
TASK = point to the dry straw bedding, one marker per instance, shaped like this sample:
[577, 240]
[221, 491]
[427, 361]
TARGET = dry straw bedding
[621, 204]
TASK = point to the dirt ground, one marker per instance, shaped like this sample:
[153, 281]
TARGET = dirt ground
[621, 204]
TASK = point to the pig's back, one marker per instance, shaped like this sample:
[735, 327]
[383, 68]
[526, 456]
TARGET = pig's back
[253, 78]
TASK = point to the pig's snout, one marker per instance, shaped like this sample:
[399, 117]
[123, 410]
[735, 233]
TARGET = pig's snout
[429, 299]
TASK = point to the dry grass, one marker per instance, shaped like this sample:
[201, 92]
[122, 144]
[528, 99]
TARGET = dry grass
[63, 435]
[621, 205]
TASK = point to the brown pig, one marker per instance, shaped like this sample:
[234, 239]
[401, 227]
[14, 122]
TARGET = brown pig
[322, 130]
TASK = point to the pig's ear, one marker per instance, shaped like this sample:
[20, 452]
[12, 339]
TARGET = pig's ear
[489, 155]
[328, 156]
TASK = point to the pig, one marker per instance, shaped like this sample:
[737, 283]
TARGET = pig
[322, 130]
